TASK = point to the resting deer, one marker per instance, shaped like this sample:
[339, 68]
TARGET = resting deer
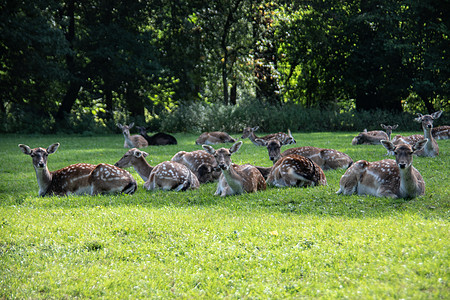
[441, 132]
[215, 137]
[167, 175]
[374, 137]
[431, 148]
[235, 179]
[285, 139]
[326, 159]
[158, 139]
[201, 163]
[78, 178]
[132, 141]
[386, 178]
[296, 170]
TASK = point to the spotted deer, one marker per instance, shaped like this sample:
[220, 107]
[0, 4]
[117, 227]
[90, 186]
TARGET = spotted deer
[374, 137]
[78, 178]
[132, 141]
[441, 132]
[214, 137]
[296, 170]
[431, 148]
[235, 179]
[285, 139]
[201, 163]
[386, 178]
[326, 159]
[167, 175]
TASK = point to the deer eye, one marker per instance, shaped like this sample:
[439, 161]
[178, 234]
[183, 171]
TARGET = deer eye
[395, 152]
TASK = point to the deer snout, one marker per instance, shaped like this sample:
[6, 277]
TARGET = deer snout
[402, 165]
[429, 126]
[41, 165]
[223, 166]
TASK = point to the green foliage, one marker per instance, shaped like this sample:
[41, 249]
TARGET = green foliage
[280, 243]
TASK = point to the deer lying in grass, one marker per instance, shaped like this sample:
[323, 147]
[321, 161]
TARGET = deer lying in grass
[326, 159]
[431, 148]
[235, 179]
[386, 178]
[201, 163]
[296, 170]
[78, 178]
[132, 141]
[441, 132]
[167, 175]
[374, 137]
[214, 137]
[285, 139]
[158, 139]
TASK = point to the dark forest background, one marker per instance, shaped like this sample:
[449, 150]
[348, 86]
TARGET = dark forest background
[81, 66]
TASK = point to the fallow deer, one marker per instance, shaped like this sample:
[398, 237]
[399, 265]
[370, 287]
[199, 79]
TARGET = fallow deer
[132, 141]
[158, 139]
[78, 178]
[374, 137]
[167, 175]
[296, 170]
[285, 139]
[235, 179]
[431, 148]
[326, 159]
[386, 178]
[441, 132]
[214, 137]
[201, 163]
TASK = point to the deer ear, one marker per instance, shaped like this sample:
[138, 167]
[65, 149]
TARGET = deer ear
[383, 126]
[236, 147]
[25, 149]
[119, 125]
[388, 145]
[394, 127]
[209, 149]
[255, 128]
[261, 142]
[145, 154]
[131, 125]
[52, 148]
[419, 145]
[419, 118]
[437, 114]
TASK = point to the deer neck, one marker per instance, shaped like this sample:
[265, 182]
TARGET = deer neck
[44, 179]
[431, 144]
[143, 168]
[408, 182]
[252, 136]
[127, 137]
[233, 179]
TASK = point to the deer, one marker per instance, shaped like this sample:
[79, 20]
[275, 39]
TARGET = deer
[326, 159]
[158, 139]
[441, 132]
[431, 148]
[167, 175]
[132, 141]
[214, 137]
[374, 137]
[285, 139]
[386, 178]
[79, 178]
[201, 163]
[235, 179]
[296, 170]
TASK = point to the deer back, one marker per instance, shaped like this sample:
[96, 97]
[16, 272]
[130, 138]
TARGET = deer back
[106, 178]
[326, 159]
[73, 179]
[441, 132]
[239, 179]
[370, 138]
[214, 137]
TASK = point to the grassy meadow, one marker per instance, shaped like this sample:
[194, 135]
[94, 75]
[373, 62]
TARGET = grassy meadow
[280, 243]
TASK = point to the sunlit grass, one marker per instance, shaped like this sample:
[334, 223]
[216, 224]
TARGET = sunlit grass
[281, 243]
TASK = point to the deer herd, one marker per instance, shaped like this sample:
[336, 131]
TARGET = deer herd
[295, 167]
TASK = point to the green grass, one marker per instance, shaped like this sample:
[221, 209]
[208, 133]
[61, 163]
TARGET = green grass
[281, 243]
